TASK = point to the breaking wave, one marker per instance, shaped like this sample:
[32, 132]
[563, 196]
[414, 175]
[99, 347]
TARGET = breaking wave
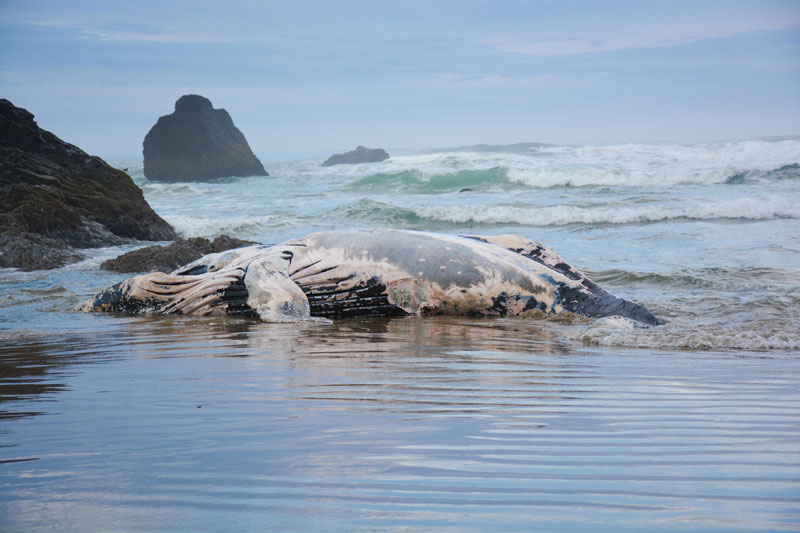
[416, 181]
[769, 208]
[539, 166]
[245, 226]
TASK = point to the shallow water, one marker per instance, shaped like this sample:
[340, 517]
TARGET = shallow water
[131, 423]
[445, 423]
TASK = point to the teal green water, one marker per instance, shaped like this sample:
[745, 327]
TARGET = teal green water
[444, 424]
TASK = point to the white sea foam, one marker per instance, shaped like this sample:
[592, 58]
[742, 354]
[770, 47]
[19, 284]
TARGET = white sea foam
[623, 165]
[427, 165]
[241, 227]
[741, 208]
[648, 165]
[618, 176]
[438, 164]
[760, 336]
[183, 189]
[616, 323]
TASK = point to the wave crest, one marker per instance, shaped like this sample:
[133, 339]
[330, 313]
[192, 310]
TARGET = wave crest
[741, 208]
[582, 166]
[417, 181]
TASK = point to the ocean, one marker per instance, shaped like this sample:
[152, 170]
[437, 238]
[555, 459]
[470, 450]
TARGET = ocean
[442, 423]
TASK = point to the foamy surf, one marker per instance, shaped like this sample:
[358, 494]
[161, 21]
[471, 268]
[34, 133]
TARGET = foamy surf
[625, 165]
[203, 226]
[755, 336]
[767, 208]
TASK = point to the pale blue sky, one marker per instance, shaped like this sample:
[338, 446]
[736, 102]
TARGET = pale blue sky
[312, 78]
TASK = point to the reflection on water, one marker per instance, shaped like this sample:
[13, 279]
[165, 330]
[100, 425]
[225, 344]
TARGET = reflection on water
[442, 423]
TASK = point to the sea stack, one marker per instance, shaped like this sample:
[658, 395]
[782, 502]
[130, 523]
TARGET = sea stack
[56, 197]
[197, 142]
[362, 154]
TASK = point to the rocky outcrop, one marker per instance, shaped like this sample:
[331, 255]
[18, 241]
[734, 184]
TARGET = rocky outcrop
[168, 258]
[56, 197]
[28, 251]
[362, 154]
[197, 142]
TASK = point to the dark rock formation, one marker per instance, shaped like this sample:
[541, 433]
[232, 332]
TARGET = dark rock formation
[168, 258]
[54, 196]
[362, 154]
[197, 142]
[28, 251]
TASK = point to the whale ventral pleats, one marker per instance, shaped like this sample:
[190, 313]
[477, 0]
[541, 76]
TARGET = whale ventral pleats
[197, 142]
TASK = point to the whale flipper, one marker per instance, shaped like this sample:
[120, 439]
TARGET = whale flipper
[273, 295]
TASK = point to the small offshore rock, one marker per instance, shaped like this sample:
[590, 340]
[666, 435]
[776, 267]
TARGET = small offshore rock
[362, 154]
[168, 258]
[197, 142]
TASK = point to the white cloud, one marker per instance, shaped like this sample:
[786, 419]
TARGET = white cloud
[112, 31]
[567, 47]
[659, 36]
[488, 81]
[167, 37]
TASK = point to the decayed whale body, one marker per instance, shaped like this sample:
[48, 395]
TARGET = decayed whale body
[378, 273]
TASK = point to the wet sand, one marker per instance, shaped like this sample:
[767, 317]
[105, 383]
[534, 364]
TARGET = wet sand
[112, 423]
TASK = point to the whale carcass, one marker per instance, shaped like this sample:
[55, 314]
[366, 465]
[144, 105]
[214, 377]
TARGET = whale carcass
[336, 274]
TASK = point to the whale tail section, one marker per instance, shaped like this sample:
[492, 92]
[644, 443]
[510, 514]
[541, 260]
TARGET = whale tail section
[599, 303]
[587, 298]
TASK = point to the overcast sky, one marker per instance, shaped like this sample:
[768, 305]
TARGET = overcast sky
[312, 78]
